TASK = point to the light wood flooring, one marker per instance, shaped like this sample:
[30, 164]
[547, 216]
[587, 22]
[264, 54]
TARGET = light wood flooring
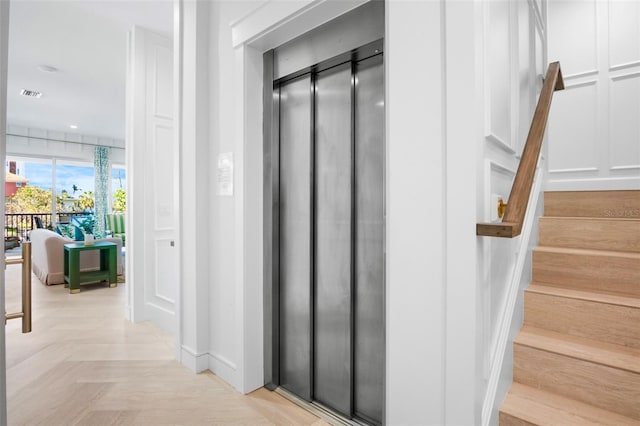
[84, 364]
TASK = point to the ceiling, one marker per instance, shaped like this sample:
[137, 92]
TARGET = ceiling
[86, 41]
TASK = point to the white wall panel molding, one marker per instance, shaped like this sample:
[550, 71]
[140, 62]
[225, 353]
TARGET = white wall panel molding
[536, 7]
[623, 41]
[574, 170]
[624, 168]
[594, 122]
[496, 167]
[499, 143]
[500, 179]
[580, 84]
[624, 122]
[498, 71]
[541, 59]
[569, 77]
[574, 130]
[574, 22]
[634, 74]
[625, 66]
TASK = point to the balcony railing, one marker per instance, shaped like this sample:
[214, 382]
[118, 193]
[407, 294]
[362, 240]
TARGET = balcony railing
[20, 224]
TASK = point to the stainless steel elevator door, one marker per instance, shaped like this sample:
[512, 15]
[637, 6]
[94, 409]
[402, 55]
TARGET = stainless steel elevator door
[330, 209]
[332, 369]
[295, 237]
[369, 240]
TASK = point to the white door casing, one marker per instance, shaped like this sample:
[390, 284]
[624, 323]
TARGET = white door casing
[152, 157]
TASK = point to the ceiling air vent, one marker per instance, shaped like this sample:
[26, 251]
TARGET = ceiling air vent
[31, 93]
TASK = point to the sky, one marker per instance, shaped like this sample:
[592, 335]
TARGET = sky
[39, 174]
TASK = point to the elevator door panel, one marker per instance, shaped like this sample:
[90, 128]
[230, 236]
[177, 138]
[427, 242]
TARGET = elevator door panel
[369, 240]
[295, 237]
[332, 355]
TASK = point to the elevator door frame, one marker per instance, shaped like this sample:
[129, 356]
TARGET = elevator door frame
[272, 207]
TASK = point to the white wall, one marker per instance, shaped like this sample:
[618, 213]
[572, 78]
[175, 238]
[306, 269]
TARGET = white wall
[229, 269]
[447, 64]
[416, 222]
[594, 128]
[196, 190]
[513, 61]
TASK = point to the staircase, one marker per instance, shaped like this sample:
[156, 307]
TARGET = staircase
[577, 357]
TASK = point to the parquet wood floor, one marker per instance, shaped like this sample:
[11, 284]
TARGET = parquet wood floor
[84, 364]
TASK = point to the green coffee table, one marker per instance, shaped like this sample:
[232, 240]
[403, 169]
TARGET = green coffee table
[73, 277]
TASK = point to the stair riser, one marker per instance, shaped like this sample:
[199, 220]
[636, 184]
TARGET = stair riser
[583, 318]
[509, 420]
[597, 234]
[617, 274]
[605, 387]
[625, 204]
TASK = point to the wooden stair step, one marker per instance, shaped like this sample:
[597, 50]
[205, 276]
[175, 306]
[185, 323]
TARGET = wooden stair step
[598, 316]
[601, 374]
[590, 233]
[525, 405]
[625, 203]
[607, 354]
[601, 270]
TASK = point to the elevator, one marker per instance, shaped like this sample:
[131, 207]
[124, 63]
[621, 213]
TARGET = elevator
[324, 307]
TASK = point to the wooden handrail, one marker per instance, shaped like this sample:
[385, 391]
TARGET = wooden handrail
[513, 218]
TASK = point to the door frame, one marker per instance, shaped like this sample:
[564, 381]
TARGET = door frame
[271, 182]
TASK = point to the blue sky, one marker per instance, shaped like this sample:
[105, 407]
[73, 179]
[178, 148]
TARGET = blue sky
[39, 174]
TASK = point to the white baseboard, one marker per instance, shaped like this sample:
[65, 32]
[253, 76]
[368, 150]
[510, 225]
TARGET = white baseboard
[225, 369]
[217, 364]
[194, 361]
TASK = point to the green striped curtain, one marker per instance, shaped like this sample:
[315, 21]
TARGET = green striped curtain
[102, 165]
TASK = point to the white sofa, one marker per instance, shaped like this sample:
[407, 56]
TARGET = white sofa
[47, 256]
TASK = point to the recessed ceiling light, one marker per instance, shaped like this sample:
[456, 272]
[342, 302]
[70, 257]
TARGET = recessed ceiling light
[31, 93]
[73, 126]
[47, 68]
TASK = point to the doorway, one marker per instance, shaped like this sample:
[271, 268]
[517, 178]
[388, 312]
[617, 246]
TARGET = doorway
[327, 132]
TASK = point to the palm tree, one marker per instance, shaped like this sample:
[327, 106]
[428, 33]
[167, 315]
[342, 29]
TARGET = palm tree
[86, 200]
